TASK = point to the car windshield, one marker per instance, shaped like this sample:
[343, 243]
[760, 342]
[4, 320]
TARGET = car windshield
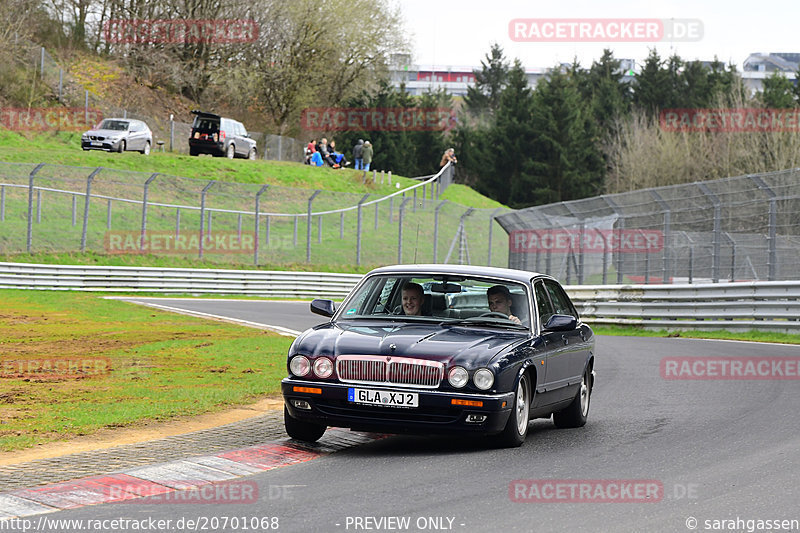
[464, 300]
[119, 125]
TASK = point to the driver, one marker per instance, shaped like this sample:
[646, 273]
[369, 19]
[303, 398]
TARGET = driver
[500, 301]
[412, 298]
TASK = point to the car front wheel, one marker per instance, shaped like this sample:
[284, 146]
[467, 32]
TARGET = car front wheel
[575, 415]
[513, 434]
[300, 430]
[121, 146]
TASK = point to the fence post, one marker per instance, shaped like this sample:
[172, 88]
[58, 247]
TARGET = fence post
[715, 258]
[319, 229]
[86, 207]
[255, 244]
[38, 206]
[2, 203]
[144, 210]
[60, 84]
[86, 107]
[400, 231]
[491, 223]
[308, 225]
[108, 215]
[391, 208]
[268, 224]
[341, 225]
[171, 131]
[358, 230]
[29, 237]
[203, 214]
[436, 228]
[177, 222]
[414, 205]
[74, 209]
[294, 237]
[772, 240]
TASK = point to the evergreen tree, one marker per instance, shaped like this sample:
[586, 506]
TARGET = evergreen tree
[652, 87]
[484, 96]
[778, 92]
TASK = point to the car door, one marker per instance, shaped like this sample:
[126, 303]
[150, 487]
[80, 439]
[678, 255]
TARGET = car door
[553, 387]
[135, 136]
[577, 346]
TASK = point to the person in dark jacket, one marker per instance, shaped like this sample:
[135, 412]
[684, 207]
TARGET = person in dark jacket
[366, 154]
[357, 155]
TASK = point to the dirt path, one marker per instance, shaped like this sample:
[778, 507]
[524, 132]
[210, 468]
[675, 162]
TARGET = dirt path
[109, 438]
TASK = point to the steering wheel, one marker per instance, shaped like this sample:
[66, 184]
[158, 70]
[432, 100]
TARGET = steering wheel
[494, 314]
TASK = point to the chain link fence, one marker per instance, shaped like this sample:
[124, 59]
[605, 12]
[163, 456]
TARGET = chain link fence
[55, 208]
[736, 229]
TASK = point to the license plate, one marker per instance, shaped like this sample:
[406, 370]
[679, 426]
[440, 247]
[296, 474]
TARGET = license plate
[97, 143]
[383, 397]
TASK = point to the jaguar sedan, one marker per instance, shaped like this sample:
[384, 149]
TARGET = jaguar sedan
[434, 349]
[119, 135]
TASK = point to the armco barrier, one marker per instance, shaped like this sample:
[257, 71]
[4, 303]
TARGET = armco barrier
[175, 280]
[764, 305]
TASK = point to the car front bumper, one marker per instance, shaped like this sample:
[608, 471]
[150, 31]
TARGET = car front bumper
[435, 413]
[100, 145]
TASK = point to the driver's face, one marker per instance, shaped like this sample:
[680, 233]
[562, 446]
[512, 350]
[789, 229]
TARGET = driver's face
[412, 302]
[499, 304]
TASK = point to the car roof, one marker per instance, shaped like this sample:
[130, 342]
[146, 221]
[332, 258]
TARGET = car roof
[204, 114]
[459, 270]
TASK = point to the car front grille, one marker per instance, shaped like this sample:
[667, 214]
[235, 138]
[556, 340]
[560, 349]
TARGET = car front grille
[389, 370]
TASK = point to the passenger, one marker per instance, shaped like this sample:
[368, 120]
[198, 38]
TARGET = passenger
[500, 301]
[413, 296]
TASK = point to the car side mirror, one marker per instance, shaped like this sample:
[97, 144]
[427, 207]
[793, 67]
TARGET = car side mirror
[561, 323]
[323, 307]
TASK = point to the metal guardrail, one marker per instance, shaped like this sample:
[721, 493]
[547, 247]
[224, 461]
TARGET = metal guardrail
[766, 305]
[175, 280]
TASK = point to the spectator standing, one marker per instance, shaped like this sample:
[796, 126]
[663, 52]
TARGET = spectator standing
[366, 154]
[359, 162]
[449, 156]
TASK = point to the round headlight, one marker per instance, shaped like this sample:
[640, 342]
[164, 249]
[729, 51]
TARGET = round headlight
[323, 367]
[457, 377]
[483, 379]
[299, 365]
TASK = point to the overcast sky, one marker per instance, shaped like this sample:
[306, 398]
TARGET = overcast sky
[459, 33]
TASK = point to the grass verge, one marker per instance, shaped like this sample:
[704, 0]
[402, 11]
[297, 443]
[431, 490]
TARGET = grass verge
[73, 363]
[753, 335]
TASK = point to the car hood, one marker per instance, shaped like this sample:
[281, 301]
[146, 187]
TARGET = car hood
[107, 133]
[469, 346]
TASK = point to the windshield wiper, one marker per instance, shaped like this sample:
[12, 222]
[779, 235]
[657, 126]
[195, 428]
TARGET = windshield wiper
[478, 321]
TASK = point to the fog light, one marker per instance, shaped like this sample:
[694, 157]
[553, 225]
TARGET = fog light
[475, 419]
[301, 404]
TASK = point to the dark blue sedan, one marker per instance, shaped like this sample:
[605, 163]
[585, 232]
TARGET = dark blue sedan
[434, 349]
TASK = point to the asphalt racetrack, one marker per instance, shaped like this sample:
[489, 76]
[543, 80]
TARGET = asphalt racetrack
[722, 455]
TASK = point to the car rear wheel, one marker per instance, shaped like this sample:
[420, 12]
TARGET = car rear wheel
[146, 149]
[252, 154]
[513, 434]
[231, 152]
[575, 415]
[300, 430]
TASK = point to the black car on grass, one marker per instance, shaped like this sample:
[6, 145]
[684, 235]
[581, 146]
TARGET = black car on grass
[220, 136]
[458, 366]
